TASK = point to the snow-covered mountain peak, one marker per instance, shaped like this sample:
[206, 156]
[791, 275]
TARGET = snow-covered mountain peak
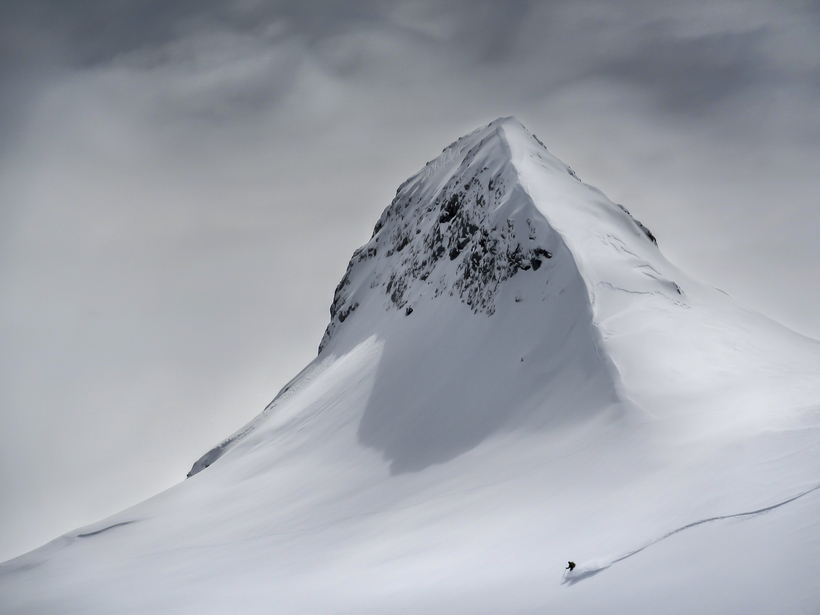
[466, 223]
[464, 268]
[495, 257]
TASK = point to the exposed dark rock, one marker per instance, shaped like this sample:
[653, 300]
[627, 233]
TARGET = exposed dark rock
[645, 230]
[343, 314]
[419, 229]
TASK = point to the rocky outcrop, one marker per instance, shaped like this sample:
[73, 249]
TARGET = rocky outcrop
[448, 241]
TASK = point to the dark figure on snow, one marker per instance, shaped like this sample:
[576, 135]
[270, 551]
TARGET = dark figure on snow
[570, 566]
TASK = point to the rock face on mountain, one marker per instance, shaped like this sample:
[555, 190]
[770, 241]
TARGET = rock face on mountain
[513, 376]
[462, 208]
[462, 226]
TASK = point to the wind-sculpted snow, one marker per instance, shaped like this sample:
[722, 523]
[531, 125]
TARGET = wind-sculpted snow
[513, 376]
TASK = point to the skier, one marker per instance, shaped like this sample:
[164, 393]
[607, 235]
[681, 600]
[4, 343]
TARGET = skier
[570, 566]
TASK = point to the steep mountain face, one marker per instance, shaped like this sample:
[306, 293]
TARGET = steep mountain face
[465, 207]
[461, 227]
[513, 376]
[484, 320]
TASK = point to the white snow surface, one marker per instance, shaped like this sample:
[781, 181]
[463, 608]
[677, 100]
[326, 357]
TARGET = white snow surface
[513, 377]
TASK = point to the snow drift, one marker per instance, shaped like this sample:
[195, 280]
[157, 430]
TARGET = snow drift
[513, 376]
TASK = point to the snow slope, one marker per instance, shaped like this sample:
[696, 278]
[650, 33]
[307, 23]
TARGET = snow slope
[513, 376]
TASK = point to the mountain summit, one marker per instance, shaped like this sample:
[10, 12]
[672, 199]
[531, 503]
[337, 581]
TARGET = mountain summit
[513, 376]
[466, 223]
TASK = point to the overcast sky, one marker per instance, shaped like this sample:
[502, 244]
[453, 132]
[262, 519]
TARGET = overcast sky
[182, 184]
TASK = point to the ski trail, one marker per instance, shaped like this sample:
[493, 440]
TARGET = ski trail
[589, 569]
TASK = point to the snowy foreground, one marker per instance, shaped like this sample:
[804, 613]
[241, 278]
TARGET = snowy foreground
[513, 377]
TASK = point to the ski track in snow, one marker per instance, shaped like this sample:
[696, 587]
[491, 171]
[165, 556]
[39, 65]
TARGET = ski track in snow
[585, 571]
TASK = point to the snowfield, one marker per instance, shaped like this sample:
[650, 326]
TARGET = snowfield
[513, 377]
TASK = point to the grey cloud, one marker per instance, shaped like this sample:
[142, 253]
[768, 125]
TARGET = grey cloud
[92, 32]
[490, 28]
[686, 73]
[692, 74]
